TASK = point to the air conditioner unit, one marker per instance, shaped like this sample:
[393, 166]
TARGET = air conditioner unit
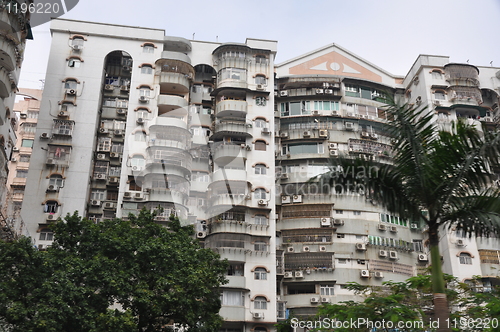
[437, 103]
[393, 254]
[382, 253]
[307, 133]
[297, 198]
[70, 92]
[118, 132]
[364, 134]
[283, 93]
[394, 229]
[325, 300]
[349, 125]
[285, 199]
[138, 196]
[332, 146]
[258, 315]
[127, 195]
[114, 155]
[378, 274]
[109, 205]
[382, 227]
[108, 87]
[13, 160]
[44, 136]
[323, 133]
[334, 152]
[460, 242]
[325, 222]
[288, 275]
[322, 248]
[298, 274]
[364, 273]
[50, 161]
[52, 188]
[360, 246]
[143, 99]
[306, 249]
[103, 130]
[140, 120]
[284, 176]
[262, 202]
[423, 258]
[290, 249]
[136, 168]
[100, 176]
[127, 68]
[314, 299]
[201, 235]
[335, 113]
[63, 114]
[266, 131]
[260, 87]
[95, 202]
[114, 179]
[338, 222]
[101, 156]
[124, 88]
[76, 47]
[316, 112]
[121, 111]
[374, 136]
[23, 115]
[328, 91]
[413, 226]
[320, 91]
[284, 135]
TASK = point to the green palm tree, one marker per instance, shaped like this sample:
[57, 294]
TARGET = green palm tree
[441, 178]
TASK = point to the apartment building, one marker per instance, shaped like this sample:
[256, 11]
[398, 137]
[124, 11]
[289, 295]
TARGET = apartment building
[224, 138]
[14, 29]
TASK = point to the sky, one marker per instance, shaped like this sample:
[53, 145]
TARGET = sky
[388, 33]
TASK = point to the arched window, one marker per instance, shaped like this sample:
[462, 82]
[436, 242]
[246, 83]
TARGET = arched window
[260, 302]
[56, 180]
[137, 160]
[261, 219]
[259, 193]
[140, 136]
[51, 207]
[436, 74]
[70, 83]
[439, 95]
[77, 41]
[74, 62]
[260, 169]
[260, 79]
[148, 48]
[465, 258]
[146, 69]
[261, 59]
[46, 235]
[260, 145]
[144, 90]
[260, 123]
[260, 273]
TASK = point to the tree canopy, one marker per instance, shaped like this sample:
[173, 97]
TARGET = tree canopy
[116, 275]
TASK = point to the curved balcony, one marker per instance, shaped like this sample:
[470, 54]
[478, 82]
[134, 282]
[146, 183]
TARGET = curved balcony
[167, 195]
[5, 83]
[171, 82]
[461, 74]
[234, 108]
[199, 186]
[165, 121]
[177, 44]
[168, 103]
[234, 226]
[228, 200]
[232, 128]
[225, 153]
[465, 95]
[229, 175]
[235, 83]
[8, 54]
[168, 143]
[164, 160]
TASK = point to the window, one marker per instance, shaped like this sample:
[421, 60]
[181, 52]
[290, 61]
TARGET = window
[260, 123]
[70, 84]
[200, 177]
[235, 269]
[259, 193]
[56, 180]
[74, 62]
[97, 194]
[104, 144]
[465, 258]
[134, 186]
[260, 79]
[326, 290]
[101, 169]
[144, 91]
[46, 235]
[260, 302]
[27, 143]
[234, 298]
[138, 161]
[260, 145]
[261, 219]
[22, 173]
[260, 169]
[356, 213]
[140, 136]
[77, 41]
[63, 127]
[148, 48]
[304, 148]
[233, 74]
[24, 158]
[28, 128]
[326, 105]
[50, 207]
[418, 245]
[142, 114]
[261, 59]
[437, 75]
[33, 114]
[146, 69]
[439, 95]
[260, 273]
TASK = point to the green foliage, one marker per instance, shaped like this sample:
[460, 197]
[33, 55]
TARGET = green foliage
[117, 275]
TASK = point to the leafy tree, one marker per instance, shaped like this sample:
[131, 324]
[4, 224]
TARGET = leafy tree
[437, 177]
[117, 275]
